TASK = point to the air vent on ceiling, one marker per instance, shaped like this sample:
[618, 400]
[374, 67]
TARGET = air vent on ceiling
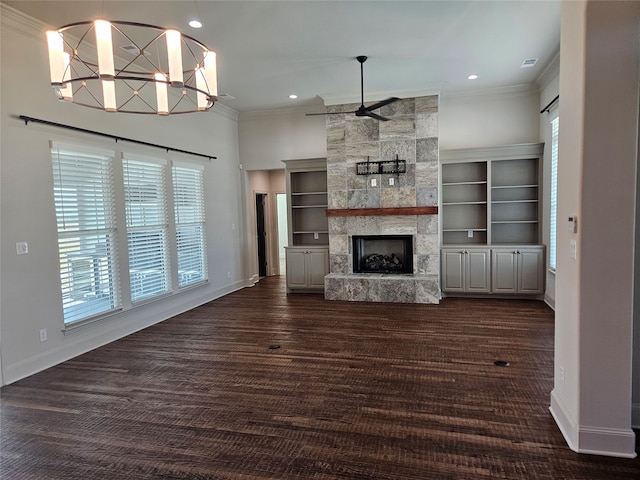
[133, 50]
[529, 62]
[225, 96]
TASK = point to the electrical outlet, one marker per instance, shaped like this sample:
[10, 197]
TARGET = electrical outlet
[228, 274]
[315, 235]
[374, 182]
[43, 335]
[561, 375]
[392, 181]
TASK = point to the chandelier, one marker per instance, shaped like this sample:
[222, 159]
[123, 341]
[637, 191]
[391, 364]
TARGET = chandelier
[131, 67]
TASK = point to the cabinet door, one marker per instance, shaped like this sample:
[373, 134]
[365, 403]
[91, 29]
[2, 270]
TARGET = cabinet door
[530, 270]
[504, 270]
[477, 270]
[318, 267]
[296, 268]
[452, 270]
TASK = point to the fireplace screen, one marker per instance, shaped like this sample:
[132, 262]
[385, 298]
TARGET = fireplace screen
[383, 254]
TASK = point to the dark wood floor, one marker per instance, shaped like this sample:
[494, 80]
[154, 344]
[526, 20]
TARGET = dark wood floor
[355, 391]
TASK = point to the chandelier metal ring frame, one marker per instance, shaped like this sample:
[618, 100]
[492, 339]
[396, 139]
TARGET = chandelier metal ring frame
[148, 76]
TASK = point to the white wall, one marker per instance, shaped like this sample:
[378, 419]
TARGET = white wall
[591, 399]
[489, 118]
[30, 294]
[270, 136]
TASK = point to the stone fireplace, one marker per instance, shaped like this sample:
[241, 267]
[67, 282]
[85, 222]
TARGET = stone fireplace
[386, 206]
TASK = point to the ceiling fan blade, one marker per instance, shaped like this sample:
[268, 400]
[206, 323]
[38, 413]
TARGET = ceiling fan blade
[376, 106]
[376, 116]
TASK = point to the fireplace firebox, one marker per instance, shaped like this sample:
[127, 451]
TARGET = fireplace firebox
[382, 254]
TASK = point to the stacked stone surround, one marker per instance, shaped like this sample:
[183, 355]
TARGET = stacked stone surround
[412, 135]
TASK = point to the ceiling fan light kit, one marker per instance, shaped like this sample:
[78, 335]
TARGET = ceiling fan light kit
[363, 111]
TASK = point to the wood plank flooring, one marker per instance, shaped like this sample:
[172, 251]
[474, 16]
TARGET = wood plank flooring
[355, 391]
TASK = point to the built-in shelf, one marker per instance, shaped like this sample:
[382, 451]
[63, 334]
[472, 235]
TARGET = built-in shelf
[491, 195]
[308, 201]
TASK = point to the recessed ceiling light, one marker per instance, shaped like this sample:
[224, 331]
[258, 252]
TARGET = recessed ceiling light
[195, 24]
[472, 77]
[293, 96]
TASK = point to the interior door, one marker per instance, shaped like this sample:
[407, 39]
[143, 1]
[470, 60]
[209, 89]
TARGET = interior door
[261, 199]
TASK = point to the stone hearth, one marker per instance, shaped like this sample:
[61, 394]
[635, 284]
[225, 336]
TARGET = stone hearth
[410, 135]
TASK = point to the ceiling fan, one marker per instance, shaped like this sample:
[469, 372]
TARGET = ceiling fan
[363, 111]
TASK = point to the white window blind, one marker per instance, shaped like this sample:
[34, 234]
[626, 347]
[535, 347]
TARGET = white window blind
[86, 218]
[555, 127]
[147, 227]
[188, 191]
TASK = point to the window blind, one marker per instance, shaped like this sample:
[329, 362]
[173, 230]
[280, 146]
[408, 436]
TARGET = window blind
[86, 220]
[147, 227]
[555, 129]
[188, 191]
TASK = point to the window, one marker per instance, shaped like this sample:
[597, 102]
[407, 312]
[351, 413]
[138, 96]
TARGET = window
[85, 211]
[162, 223]
[145, 200]
[188, 191]
[555, 125]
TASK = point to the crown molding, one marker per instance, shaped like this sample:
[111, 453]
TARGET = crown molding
[15, 20]
[494, 93]
[225, 111]
[551, 71]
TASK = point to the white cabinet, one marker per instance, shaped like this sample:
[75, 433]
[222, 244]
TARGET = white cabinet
[517, 270]
[504, 270]
[306, 268]
[466, 270]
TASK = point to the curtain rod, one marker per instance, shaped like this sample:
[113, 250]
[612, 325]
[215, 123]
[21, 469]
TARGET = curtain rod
[546, 109]
[108, 135]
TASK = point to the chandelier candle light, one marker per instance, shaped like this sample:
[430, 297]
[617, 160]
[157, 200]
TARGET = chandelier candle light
[155, 70]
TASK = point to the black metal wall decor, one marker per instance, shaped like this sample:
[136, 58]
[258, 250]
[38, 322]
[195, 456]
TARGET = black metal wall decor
[391, 167]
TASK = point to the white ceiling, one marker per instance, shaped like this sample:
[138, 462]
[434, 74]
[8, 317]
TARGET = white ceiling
[270, 49]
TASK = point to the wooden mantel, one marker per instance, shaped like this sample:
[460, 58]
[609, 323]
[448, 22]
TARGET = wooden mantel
[373, 212]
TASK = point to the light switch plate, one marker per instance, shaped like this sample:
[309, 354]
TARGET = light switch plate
[374, 182]
[22, 248]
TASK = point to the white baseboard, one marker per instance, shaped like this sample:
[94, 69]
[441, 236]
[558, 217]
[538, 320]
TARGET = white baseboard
[551, 302]
[611, 442]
